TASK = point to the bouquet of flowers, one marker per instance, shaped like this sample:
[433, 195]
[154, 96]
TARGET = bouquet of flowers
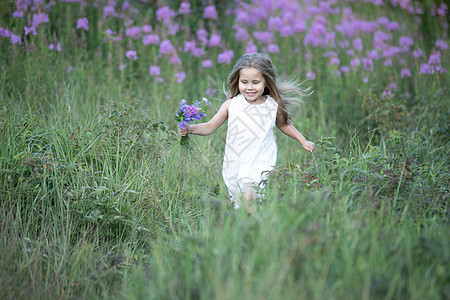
[188, 114]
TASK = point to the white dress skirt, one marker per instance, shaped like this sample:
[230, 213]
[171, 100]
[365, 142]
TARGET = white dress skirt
[250, 149]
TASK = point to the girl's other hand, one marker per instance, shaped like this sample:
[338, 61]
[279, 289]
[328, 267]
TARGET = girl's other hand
[309, 146]
[183, 132]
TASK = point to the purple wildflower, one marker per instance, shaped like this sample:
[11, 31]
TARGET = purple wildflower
[146, 28]
[311, 75]
[39, 18]
[210, 12]
[82, 23]
[357, 44]
[417, 53]
[273, 48]
[154, 71]
[354, 63]
[367, 63]
[185, 8]
[164, 13]
[202, 35]
[335, 61]
[263, 36]
[405, 73]
[31, 29]
[435, 58]
[166, 47]
[15, 39]
[109, 9]
[175, 60]
[251, 48]
[210, 93]
[150, 40]
[441, 44]
[225, 57]
[241, 34]
[207, 63]
[180, 76]
[17, 14]
[122, 66]
[214, 40]
[131, 54]
[133, 32]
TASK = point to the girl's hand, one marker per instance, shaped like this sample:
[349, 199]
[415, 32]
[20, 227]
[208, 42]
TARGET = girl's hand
[183, 132]
[309, 146]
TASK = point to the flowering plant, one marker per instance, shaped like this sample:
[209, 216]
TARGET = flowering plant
[188, 114]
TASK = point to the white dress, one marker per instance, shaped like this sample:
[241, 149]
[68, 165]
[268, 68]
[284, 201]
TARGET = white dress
[250, 150]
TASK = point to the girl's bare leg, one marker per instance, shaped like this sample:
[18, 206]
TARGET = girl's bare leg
[250, 195]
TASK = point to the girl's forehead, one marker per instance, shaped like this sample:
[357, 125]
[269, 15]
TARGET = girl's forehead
[250, 72]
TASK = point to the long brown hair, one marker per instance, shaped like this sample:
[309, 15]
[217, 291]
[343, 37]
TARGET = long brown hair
[287, 93]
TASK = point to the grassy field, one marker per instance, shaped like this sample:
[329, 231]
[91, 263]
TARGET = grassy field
[100, 201]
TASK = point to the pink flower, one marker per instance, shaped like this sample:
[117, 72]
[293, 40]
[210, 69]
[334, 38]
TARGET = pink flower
[180, 76]
[166, 47]
[225, 57]
[154, 71]
[150, 40]
[273, 48]
[185, 8]
[210, 12]
[82, 23]
[405, 73]
[207, 63]
[131, 54]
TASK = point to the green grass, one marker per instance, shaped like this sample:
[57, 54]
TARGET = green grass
[99, 201]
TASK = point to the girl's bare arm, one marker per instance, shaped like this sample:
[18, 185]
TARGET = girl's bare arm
[209, 127]
[289, 130]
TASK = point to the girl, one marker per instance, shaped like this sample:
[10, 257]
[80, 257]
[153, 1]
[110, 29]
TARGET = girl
[257, 101]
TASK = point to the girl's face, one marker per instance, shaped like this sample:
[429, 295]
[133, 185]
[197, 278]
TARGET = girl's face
[251, 85]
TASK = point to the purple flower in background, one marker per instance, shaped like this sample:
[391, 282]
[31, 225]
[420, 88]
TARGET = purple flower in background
[175, 60]
[159, 79]
[185, 8]
[180, 76]
[263, 36]
[31, 29]
[367, 63]
[166, 47]
[311, 75]
[354, 63]
[189, 46]
[210, 12]
[122, 66]
[273, 48]
[373, 54]
[164, 13]
[196, 52]
[207, 63]
[225, 57]
[241, 34]
[82, 23]
[150, 40]
[441, 44]
[39, 18]
[17, 14]
[357, 44]
[125, 5]
[210, 92]
[131, 54]
[405, 42]
[15, 39]
[251, 48]
[435, 58]
[173, 28]
[405, 73]
[133, 32]
[214, 40]
[146, 28]
[350, 52]
[335, 61]
[345, 69]
[154, 71]
[202, 35]
[417, 53]
[109, 10]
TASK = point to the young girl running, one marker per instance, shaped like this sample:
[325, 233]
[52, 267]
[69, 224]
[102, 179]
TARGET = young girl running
[257, 101]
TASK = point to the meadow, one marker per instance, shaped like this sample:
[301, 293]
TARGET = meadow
[98, 200]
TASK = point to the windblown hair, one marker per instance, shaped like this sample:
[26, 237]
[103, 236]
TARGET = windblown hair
[287, 93]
